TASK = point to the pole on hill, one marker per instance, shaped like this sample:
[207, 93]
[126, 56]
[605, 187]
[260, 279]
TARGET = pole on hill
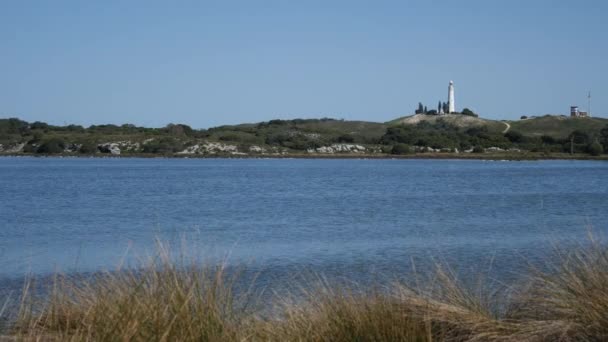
[589, 104]
[572, 144]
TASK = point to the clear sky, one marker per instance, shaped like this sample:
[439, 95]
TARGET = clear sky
[223, 62]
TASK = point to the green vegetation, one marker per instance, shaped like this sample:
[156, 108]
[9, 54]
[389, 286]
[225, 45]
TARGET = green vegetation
[459, 120]
[51, 146]
[444, 135]
[469, 112]
[566, 300]
[466, 132]
[557, 126]
[400, 148]
[595, 149]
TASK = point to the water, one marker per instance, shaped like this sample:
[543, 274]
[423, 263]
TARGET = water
[356, 218]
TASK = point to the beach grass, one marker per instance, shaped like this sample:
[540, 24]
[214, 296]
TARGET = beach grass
[168, 300]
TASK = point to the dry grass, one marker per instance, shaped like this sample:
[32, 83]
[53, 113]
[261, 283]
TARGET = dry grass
[164, 301]
[571, 296]
[168, 301]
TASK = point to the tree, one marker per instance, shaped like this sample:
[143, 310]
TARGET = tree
[75, 128]
[51, 146]
[13, 126]
[88, 148]
[523, 117]
[468, 112]
[346, 138]
[420, 109]
[401, 149]
[579, 137]
[178, 129]
[578, 141]
[595, 149]
[40, 125]
[604, 137]
[425, 111]
[513, 136]
[446, 108]
[439, 107]
[163, 145]
[547, 139]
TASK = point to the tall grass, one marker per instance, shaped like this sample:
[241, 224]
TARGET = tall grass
[174, 301]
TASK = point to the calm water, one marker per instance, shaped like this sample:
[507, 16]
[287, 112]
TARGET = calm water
[349, 217]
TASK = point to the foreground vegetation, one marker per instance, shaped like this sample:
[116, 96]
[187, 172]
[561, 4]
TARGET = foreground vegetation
[169, 301]
[414, 135]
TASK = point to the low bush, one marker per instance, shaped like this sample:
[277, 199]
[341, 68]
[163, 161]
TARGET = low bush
[51, 146]
[595, 148]
[88, 148]
[401, 149]
[163, 145]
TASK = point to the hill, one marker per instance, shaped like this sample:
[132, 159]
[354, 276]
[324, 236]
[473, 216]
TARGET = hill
[420, 133]
[271, 137]
[457, 120]
[326, 130]
[557, 126]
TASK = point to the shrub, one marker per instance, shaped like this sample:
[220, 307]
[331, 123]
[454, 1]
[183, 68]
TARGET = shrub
[52, 146]
[88, 148]
[401, 149]
[604, 137]
[579, 137]
[547, 139]
[178, 129]
[469, 112]
[29, 148]
[346, 138]
[13, 126]
[39, 125]
[595, 148]
[478, 149]
[163, 145]
[386, 149]
[514, 136]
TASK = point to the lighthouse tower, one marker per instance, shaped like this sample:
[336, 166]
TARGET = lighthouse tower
[451, 105]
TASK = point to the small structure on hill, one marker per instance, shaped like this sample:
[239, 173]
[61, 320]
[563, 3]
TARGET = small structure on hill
[575, 113]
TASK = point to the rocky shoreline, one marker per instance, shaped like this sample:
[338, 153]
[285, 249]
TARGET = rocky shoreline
[461, 156]
[210, 149]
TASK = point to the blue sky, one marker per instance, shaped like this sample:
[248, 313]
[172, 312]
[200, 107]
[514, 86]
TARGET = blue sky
[210, 63]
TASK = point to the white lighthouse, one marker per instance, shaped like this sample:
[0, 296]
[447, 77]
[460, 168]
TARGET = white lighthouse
[451, 105]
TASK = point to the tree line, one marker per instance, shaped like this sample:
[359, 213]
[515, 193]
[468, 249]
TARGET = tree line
[296, 135]
[442, 107]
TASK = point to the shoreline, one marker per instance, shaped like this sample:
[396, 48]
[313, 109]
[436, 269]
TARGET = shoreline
[532, 156]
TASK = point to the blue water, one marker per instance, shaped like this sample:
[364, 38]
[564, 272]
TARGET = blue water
[349, 217]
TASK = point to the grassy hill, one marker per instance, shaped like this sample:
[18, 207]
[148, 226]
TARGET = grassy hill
[327, 130]
[557, 126]
[457, 120]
